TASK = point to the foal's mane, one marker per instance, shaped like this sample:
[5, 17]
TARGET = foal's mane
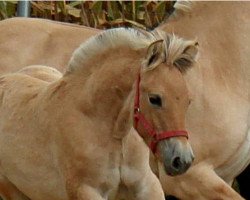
[109, 39]
[127, 37]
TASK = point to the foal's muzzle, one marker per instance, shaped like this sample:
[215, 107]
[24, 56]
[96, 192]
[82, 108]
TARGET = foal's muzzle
[176, 156]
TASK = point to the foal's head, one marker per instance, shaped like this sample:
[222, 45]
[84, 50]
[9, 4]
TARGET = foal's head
[162, 100]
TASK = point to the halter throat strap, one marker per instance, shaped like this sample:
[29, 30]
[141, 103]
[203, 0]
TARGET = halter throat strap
[154, 135]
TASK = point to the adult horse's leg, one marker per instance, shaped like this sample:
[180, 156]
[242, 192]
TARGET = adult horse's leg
[244, 181]
[211, 186]
[9, 192]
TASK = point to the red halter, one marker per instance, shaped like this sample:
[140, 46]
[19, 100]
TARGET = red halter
[139, 118]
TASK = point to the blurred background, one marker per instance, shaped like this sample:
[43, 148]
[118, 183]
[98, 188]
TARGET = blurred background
[96, 14]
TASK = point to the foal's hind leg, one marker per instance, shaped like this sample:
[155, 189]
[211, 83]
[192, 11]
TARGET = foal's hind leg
[9, 192]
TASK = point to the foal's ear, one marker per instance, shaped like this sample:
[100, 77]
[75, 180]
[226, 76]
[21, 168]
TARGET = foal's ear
[155, 55]
[187, 58]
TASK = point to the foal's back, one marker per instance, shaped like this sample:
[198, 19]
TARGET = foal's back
[21, 87]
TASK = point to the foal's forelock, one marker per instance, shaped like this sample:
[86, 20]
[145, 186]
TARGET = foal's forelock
[177, 52]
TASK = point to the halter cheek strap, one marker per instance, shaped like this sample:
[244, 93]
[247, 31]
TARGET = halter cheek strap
[153, 134]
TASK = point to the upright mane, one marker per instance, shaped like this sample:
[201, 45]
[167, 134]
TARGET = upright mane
[112, 38]
[127, 37]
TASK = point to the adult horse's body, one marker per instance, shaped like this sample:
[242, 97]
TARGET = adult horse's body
[72, 136]
[219, 114]
[34, 41]
[219, 117]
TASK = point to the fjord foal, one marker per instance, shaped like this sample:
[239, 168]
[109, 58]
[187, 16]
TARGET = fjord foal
[73, 137]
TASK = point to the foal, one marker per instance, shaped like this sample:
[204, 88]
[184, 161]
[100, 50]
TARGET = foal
[73, 138]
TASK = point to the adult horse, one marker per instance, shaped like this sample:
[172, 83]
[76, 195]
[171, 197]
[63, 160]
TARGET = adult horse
[219, 117]
[35, 41]
[72, 136]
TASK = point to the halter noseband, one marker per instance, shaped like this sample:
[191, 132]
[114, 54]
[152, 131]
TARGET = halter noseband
[140, 118]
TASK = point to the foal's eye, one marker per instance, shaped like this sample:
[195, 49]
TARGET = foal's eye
[155, 100]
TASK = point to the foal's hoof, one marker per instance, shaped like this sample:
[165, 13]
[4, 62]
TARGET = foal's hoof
[169, 197]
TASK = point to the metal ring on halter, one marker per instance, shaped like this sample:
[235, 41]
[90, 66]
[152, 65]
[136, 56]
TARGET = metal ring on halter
[137, 110]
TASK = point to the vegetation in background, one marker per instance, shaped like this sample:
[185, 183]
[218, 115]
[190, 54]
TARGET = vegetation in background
[7, 9]
[97, 14]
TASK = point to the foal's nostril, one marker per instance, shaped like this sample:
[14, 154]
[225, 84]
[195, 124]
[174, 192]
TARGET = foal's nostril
[176, 163]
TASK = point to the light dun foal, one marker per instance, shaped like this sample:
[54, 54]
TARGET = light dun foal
[72, 136]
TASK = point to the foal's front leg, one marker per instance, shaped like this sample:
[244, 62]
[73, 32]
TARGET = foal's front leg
[86, 192]
[8, 191]
[83, 192]
[136, 173]
[148, 188]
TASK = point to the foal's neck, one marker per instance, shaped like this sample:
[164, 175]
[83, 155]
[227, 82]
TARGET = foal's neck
[107, 88]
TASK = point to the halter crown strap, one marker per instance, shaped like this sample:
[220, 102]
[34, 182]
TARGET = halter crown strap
[137, 94]
[140, 118]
